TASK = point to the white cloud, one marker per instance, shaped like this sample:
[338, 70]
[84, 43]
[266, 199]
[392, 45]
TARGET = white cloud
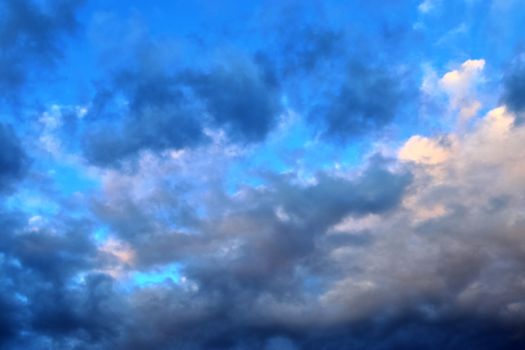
[427, 6]
[424, 150]
[459, 233]
[460, 86]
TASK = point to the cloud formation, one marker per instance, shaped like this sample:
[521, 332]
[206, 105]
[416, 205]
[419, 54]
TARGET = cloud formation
[166, 108]
[379, 252]
[245, 176]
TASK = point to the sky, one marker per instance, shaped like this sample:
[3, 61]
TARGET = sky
[274, 175]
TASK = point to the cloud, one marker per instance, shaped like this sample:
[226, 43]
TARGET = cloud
[280, 251]
[13, 159]
[247, 253]
[424, 150]
[376, 253]
[139, 105]
[332, 73]
[149, 103]
[514, 87]
[241, 96]
[424, 249]
[30, 39]
[345, 259]
[475, 188]
[157, 118]
[368, 99]
[427, 6]
[49, 294]
[460, 87]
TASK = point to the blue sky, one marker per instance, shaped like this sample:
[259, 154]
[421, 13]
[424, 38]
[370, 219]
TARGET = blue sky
[262, 174]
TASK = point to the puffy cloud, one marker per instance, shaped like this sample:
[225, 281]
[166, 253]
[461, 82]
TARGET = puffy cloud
[476, 203]
[458, 82]
[420, 149]
[460, 86]
[144, 108]
[151, 104]
[159, 126]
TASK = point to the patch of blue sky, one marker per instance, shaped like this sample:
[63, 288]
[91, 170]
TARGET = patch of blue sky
[32, 202]
[78, 54]
[277, 155]
[170, 273]
[313, 285]
[101, 234]
[238, 176]
[69, 179]
[293, 151]
[21, 298]
[458, 31]
[45, 197]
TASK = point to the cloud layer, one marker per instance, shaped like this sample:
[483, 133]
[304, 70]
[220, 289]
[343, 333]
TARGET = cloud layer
[261, 176]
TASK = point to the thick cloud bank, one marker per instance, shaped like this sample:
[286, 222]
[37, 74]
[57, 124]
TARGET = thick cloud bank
[335, 261]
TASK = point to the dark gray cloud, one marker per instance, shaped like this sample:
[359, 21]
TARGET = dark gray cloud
[52, 256]
[166, 109]
[46, 298]
[346, 82]
[307, 212]
[158, 117]
[90, 313]
[369, 98]
[13, 159]
[242, 97]
[514, 87]
[170, 105]
[273, 250]
[31, 33]
[244, 253]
